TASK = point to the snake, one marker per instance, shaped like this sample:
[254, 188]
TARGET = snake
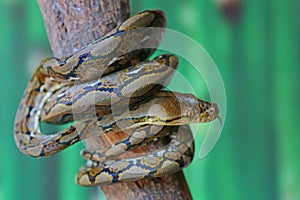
[173, 157]
[103, 77]
[113, 89]
[145, 28]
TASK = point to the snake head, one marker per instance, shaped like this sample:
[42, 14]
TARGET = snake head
[208, 111]
[196, 110]
[177, 108]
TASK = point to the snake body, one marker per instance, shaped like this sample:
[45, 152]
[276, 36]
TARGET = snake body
[100, 78]
[110, 90]
[97, 59]
[173, 157]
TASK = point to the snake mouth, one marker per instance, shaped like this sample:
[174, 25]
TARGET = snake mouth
[213, 112]
[209, 111]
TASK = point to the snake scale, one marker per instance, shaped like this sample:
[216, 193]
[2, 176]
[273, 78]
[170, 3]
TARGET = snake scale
[107, 87]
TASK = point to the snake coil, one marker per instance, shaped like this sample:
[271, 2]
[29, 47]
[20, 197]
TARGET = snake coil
[112, 72]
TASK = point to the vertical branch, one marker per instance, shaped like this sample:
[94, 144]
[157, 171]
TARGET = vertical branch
[72, 24]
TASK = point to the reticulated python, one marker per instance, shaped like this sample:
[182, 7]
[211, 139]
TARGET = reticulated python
[68, 89]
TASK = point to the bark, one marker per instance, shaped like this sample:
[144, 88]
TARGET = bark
[72, 24]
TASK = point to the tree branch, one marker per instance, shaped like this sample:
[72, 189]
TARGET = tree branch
[72, 24]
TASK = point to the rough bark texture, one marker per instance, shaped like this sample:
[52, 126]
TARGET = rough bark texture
[72, 24]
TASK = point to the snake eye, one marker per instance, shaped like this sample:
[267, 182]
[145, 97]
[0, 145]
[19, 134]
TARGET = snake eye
[190, 113]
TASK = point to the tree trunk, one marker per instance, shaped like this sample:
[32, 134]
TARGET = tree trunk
[72, 24]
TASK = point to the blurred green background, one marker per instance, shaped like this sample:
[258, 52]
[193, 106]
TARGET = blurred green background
[257, 53]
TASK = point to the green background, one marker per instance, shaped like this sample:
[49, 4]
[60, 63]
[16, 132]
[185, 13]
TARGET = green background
[257, 156]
